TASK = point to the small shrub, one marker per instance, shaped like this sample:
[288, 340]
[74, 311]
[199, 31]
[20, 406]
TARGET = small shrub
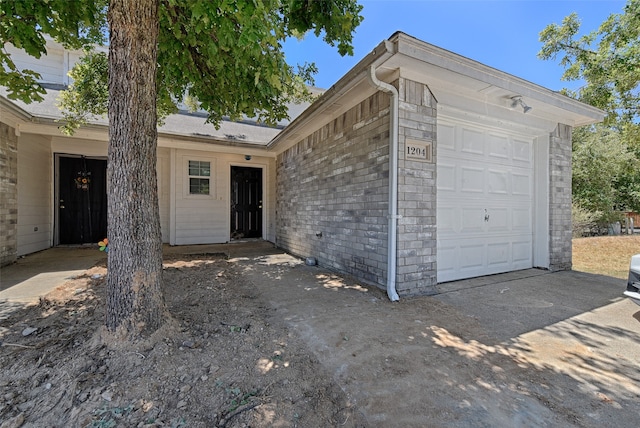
[584, 222]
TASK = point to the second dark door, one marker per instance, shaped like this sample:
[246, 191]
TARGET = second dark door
[246, 202]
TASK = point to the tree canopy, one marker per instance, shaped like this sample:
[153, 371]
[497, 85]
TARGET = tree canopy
[24, 23]
[606, 157]
[607, 60]
[605, 177]
[226, 54]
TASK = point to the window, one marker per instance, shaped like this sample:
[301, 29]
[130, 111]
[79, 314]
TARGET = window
[199, 177]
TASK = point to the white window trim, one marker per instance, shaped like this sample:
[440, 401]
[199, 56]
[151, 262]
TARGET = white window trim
[186, 178]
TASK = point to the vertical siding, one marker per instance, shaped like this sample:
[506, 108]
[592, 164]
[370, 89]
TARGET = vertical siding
[201, 219]
[335, 182]
[270, 201]
[35, 225]
[198, 220]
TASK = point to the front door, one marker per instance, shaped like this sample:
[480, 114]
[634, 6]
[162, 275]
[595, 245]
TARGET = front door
[82, 203]
[246, 202]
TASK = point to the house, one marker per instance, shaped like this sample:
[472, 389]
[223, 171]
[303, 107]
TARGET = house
[418, 166]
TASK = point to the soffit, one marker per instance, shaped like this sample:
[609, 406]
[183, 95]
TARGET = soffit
[461, 86]
[455, 80]
[43, 118]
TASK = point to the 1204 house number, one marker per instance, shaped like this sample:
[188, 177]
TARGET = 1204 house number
[418, 151]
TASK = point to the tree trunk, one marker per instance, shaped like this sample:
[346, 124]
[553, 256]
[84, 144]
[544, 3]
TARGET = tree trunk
[135, 303]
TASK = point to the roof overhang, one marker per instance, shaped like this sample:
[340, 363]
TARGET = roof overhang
[461, 86]
[183, 131]
[342, 96]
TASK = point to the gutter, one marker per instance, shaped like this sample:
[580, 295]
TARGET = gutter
[392, 258]
[454, 63]
[327, 101]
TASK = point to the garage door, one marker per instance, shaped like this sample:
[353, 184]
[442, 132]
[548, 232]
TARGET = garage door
[485, 188]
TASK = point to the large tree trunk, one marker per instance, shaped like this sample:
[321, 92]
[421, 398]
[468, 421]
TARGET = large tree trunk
[135, 303]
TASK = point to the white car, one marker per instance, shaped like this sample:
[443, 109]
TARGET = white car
[633, 283]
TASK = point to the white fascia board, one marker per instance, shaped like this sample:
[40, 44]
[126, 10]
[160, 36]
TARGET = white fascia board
[475, 80]
[24, 122]
[499, 116]
[334, 101]
[175, 142]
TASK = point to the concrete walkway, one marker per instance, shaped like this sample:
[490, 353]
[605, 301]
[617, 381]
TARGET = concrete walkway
[30, 277]
[37, 274]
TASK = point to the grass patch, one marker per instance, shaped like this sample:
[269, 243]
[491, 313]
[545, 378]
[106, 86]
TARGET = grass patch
[605, 255]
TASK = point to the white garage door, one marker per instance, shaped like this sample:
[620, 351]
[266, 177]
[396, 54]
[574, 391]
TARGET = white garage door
[485, 194]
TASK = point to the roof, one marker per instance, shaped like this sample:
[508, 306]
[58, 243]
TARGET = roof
[183, 124]
[458, 83]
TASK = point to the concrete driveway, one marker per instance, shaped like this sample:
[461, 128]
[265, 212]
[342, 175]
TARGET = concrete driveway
[528, 348]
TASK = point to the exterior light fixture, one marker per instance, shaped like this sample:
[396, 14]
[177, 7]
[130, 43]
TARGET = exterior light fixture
[517, 100]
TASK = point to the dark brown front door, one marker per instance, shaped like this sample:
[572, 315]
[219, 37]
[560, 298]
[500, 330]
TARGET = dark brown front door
[82, 203]
[246, 202]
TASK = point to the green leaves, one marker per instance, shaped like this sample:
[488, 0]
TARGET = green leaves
[226, 54]
[607, 59]
[606, 170]
[88, 96]
[337, 19]
[606, 158]
[23, 23]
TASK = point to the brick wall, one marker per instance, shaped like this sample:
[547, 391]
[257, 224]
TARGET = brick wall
[335, 182]
[416, 192]
[8, 194]
[560, 198]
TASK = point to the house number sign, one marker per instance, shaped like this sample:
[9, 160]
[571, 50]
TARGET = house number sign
[418, 150]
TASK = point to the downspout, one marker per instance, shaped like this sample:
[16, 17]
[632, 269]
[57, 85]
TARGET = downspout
[392, 259]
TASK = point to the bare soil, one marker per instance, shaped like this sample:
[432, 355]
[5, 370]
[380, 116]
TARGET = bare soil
[226, 361]
[264, 341]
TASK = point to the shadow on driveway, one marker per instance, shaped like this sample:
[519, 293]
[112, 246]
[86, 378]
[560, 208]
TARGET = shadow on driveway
[527, 349]
[514, 303]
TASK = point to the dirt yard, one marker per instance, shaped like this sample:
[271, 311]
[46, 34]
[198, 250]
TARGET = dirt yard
[265, 341]
[229, 362]
[605, 255]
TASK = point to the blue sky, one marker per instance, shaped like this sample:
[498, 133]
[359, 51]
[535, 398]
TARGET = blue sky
[499, 33]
